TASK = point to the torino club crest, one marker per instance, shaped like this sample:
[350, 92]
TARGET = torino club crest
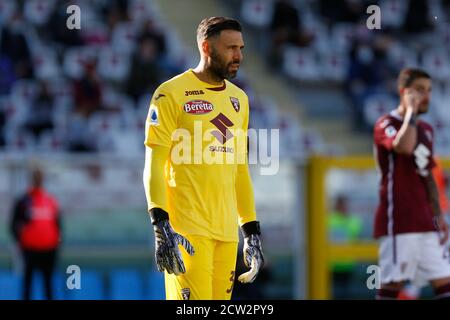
[235, 103]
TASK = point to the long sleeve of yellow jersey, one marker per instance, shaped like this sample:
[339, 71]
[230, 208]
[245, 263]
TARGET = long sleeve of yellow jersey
[153, 177]
[160, 124]
[244, 187]
[244, 195]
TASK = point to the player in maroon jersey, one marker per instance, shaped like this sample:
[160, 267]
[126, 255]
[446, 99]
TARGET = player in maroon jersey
[408, 221]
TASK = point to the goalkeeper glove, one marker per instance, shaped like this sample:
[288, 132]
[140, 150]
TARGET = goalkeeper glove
[253, 256]
[167, 253]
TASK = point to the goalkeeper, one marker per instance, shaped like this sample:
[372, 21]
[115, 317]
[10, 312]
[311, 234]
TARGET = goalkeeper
[197, 199]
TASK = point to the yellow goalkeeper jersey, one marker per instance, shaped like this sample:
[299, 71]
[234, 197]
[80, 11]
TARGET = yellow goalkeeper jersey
[205, 127]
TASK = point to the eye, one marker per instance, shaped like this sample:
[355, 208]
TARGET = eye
[420, 89]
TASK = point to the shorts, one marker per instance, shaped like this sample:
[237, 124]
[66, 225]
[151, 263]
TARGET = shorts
[418, 257]
[210, 272]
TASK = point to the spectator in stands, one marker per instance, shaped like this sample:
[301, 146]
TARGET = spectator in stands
[15, 46]
[343, 228]
[79, 138]
[343, 11]
[36, 227]
[88, 91]
[41, 118]
[115, 12]
[145, 74]
[7, 74]
[446, 7]
[150, 31]
[286, 28]
[368, 71]
[417, 18]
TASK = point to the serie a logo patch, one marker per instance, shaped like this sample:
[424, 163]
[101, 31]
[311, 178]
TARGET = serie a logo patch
[186, 293]
[153, 116]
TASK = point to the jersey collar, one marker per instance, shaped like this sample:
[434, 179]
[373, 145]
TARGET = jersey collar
[209, 86]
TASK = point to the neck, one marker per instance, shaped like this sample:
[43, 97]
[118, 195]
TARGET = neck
[204, 73]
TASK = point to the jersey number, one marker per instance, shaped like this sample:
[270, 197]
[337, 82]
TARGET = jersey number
[422, 159]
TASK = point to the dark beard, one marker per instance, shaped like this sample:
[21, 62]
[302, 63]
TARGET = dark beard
[218, 67]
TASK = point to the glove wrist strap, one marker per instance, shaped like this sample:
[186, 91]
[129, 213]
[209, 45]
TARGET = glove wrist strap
[157, 215]
[250, 228]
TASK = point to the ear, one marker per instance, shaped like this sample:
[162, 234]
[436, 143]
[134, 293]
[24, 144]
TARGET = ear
[205, 48]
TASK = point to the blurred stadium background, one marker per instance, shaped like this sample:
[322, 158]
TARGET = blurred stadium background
[75, 102]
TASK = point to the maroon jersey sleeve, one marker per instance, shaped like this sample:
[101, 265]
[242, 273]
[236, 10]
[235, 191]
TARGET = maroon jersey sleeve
[384, 133]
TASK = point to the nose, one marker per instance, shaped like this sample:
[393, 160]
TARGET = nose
[238, 56]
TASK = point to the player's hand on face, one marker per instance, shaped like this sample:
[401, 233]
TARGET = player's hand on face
[412, 98]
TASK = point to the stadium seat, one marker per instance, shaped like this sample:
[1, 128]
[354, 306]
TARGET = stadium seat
[114, 101]
[123, 39]
[113, 65]
[155, 289]
[444, 34]
[14, 112]
[342, 35]
[91, 19]
[96, 36]
[24, 92]
[10, 285]
[334, 66]
[7, 10]
[437, 63]
[393, 12]
[45, 64]
[376, 105]
[442, 142]
[104, 122]
[321, 43]
[51, 141]
[400, 56]
[140, 10]
[75, 60]
[300, 64]
[38, 11]
[19, 141]
[126, 284]
[143, 104]
[436, 9]
[257, 13]
[92, 287]
[441, 109]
